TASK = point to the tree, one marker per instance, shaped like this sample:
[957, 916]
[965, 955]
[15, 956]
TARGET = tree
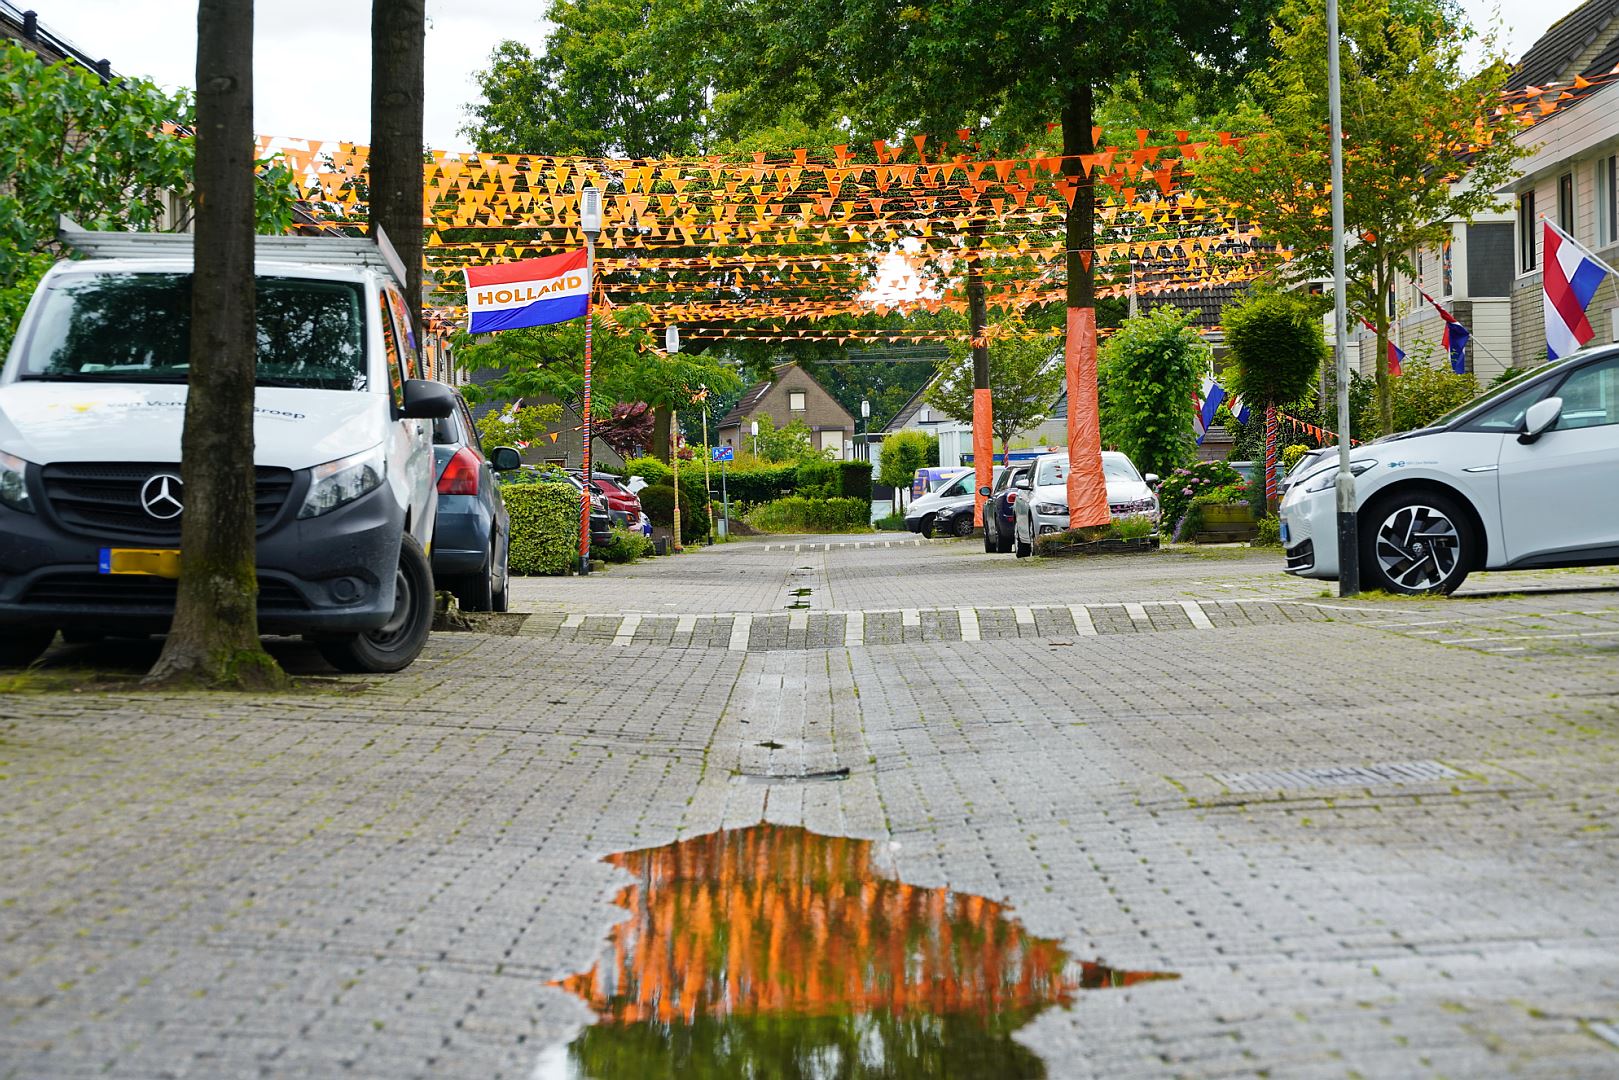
[1024, 375]
[214, 638]
[1422, 146]
[1425, 391]
[398, 58]
[1149, 373]
[903, 453]
[1277, 348]
[781, 444]
[516, 426]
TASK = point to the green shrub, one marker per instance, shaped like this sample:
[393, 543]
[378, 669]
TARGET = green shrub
[817, 479]
[649, 469]
[796, 514]
[1191, 522]
[1180, 487]
[624, 546]
[1291, 455]
[759, 482]
[894, 522]
[1270, 531]
[854, 480]
[544, 527]
[659, 503]
[1132, 527]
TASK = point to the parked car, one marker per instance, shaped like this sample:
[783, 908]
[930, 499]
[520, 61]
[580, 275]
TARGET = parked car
[1522, 477]
[92, 402]
[1304, 466]
[1042, 504]
[623, 506]
[999, 518]
[931, 479]
[923, 511]
[472, 534]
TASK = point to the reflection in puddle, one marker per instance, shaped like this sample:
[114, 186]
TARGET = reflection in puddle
[776, 952]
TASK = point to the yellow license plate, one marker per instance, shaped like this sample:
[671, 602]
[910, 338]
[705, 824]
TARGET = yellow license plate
[156, 562]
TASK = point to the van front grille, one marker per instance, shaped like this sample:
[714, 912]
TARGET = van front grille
[106, 497]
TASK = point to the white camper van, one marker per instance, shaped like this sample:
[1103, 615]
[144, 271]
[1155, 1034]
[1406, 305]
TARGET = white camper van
[92, 399]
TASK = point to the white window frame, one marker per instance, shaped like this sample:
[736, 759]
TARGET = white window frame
[1607, 200]
[797, 401]
[1571, 225]
[1527, 257]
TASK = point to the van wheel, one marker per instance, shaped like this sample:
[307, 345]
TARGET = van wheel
[392, 646]
[22, 645]
[927, 526]
[1416, 543]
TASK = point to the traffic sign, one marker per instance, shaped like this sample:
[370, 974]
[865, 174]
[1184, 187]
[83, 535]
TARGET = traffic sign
[724, 453]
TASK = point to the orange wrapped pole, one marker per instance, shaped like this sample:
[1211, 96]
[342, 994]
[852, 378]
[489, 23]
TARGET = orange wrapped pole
[1087, 490]
[983, 451]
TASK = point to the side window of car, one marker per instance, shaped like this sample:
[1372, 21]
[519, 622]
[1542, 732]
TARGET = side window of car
[407, 335]
[1508, 415]
[390, 348]
[469, 427]
[1590, 397]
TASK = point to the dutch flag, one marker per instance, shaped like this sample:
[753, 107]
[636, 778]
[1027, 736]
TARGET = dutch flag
[534, 292]
[1571, 279]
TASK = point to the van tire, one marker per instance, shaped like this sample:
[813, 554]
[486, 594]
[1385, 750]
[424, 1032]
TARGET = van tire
[393, 646]
[22, 645]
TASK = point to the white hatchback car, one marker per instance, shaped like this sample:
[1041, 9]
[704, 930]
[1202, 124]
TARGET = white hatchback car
[1044, 507]
[1523, 477]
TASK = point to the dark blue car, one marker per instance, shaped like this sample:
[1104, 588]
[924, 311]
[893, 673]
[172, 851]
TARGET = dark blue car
[471, 537]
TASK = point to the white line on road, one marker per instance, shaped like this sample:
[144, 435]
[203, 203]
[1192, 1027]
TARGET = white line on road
[1137, 613]
[1528, 637]
[910, 617]
[740, 627]
[1195, 612]
[854, 628]
[1025, 616]
[686, 624]
[626, 630]
[573, 621]
[969, 623]
[1082, 620]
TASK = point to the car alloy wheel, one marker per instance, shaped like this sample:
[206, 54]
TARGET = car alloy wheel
[1418, 548]
[963, 525]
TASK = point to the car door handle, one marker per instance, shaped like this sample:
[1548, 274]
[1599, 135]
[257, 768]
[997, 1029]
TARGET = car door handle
[1482, 468]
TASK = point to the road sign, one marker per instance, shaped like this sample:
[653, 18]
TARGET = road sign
[724, 453]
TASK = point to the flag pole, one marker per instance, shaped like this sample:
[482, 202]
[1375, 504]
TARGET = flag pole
[590, 223]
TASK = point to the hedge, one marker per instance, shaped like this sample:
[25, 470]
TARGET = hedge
[796, 514]
[659, 503]
[544, 527]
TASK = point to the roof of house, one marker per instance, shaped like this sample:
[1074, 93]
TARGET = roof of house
[755, 394]
[1584, 42]
[911, 407]
[25, 28]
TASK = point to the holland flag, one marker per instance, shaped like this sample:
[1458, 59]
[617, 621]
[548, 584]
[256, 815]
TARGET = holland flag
[1396, 354]
[1571, 279]
[1453, 338]
[534, 292]
[1208, 402]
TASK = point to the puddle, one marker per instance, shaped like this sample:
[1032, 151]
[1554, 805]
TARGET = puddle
[797, 604]
[800, 592]
[776, 952]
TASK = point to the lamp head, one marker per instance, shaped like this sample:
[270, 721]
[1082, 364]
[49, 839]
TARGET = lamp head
[590, 210]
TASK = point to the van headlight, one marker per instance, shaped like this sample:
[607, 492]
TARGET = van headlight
[342, 481]
[14, 483]
[1324, 479]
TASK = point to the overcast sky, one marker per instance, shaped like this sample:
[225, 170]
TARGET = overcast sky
[312, 63]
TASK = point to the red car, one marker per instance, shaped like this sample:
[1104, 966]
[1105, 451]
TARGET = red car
[623, 507]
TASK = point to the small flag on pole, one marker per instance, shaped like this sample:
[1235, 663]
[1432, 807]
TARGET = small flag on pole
[1396, 354]
[1570, 280]
[1454, 337]
[533, 292]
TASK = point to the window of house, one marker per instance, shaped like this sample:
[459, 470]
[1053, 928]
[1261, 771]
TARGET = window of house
[1447, 279]
[1565, 203]
[1526, 232]
[1608, 200]
[795, 400]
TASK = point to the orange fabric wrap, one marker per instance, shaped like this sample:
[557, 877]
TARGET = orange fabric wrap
[983, 449]
[1087, 491]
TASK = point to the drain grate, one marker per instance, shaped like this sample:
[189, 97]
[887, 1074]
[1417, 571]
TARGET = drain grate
[1399, 772]
[823, 777]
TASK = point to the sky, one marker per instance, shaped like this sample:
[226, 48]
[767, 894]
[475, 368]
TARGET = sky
[312, 63]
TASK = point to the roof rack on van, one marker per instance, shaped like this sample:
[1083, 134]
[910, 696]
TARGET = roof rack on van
[374, 250]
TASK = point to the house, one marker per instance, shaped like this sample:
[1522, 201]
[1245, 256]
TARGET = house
[790, 395]
[563, 444]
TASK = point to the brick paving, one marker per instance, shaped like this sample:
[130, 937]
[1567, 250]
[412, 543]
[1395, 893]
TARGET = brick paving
[1370, 840]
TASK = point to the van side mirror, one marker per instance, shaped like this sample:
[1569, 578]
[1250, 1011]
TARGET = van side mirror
[427, 400]
[1540, 416]
[505, 459]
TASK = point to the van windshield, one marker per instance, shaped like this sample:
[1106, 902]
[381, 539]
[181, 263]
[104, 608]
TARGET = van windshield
[137, 328]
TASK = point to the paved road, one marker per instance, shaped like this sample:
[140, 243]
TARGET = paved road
[1373, 839]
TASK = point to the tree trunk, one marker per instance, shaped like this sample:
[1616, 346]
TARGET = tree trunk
[214, 639]
[1087, 491]
[1385, 400]
[398, 47]
[660, 433]
[983, 404]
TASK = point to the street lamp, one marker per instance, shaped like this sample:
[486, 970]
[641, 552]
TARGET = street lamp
[755, 426]
[865, 430]
[1348, 527]
[671, 344]
[590, 223]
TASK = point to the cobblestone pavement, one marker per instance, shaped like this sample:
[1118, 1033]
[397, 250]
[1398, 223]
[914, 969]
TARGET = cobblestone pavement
[1374, 838]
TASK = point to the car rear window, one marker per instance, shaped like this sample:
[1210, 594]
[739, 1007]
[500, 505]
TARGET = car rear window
[137, 328]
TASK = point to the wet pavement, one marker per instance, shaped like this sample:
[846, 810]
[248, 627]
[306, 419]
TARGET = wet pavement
[1371, 839]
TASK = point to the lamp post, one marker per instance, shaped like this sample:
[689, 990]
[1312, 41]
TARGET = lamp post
[865, 430]
[755, 426]
[590, 223]
[671, 343]
[1348, 527]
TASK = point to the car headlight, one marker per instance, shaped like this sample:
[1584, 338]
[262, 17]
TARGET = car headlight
[342, 481]
[1324, 479]
[1050, 508]
[14, 483]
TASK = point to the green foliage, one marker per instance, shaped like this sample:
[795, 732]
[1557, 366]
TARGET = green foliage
[790, 443]
[817, 479]
[903, 453]
[1149, 373]
[1190, 522]
[1423, 392]
[1132, 527]
[761, 482]
[544, 527]
[1181, 486]
[894, 522]
[1291, 455]
[1506, 376]
[649, 469]
[1025, 377]
[623, 546]
[797, 514]
[1276, 347]
[854, 479]
[659, 503]
[1270, 531]
[516, 427]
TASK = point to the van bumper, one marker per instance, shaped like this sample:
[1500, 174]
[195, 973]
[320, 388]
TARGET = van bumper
[316, 575]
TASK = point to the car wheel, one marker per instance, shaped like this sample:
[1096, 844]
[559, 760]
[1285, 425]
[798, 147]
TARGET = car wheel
[963, 525]
[22, 645]
[1003, 543]
[477, 591]
[1420, 542]
[501, 580]
[927, 527]
[1019, 548]
[393, 645]
[990, 542]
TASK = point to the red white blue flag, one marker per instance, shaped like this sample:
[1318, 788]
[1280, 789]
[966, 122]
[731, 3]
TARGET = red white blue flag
[1570, 280]
[1396, 354]
[534, 292]
[1453, 338]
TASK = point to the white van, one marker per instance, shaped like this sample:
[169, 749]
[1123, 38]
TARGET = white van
[92, 402]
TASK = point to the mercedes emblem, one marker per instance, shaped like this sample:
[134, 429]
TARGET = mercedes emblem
[160, 496]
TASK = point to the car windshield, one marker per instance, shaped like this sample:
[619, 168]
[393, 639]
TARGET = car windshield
[1118, 468]
[1511, 416]
[1052, 470]
[137, 328]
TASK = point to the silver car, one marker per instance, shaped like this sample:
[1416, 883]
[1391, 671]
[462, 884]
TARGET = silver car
[1043, 507]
